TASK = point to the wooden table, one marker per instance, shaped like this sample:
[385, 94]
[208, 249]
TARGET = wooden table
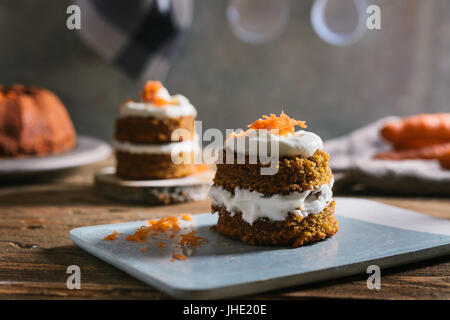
[35, 248]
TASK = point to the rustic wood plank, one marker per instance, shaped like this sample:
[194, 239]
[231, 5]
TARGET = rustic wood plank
[35, 248]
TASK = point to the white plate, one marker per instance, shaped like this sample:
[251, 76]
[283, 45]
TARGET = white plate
[88, 150]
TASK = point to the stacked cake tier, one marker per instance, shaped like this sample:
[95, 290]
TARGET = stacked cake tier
[147, 139]
[294, 206]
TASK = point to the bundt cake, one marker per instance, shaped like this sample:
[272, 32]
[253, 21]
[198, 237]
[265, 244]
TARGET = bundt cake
[33, 122]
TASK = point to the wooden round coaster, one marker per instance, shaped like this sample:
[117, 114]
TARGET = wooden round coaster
[155, 192]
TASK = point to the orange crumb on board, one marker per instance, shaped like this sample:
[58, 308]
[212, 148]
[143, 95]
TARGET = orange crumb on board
[172, 259]
[191, 239]
[164, 224]
[112, 236]
[140, 235]
[149, 92]
[284, 124]
[186, 217]
[143, 249]
[179, 257]
[171, 234]
[160, 244]
[161, 225]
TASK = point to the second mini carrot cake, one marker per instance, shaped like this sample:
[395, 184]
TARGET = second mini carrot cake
[143, 135]
[294, 206]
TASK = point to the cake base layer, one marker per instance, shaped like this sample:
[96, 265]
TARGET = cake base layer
[151, 130]
[294, 174]
[294, 230]
[151, 166]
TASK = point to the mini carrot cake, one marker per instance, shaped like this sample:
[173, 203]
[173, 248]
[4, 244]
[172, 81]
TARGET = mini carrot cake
[294, 206]
[143, 135]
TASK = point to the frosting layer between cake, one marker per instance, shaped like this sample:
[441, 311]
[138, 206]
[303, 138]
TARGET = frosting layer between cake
[254, 205]
[165, 148]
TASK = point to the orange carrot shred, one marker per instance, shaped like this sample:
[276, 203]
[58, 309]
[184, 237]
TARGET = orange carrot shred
[179, 257]
[149, 92]
[161, 225]
[112, 236]
[186, 217]
[140, 235]
[143, 249]
[284, 124]
[160, 244]
[191, 239]
[164, 224]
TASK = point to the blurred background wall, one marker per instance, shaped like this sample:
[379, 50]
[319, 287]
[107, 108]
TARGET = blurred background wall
[404, 68]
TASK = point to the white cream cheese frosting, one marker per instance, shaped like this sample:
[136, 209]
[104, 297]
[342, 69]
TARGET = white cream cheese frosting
[300, 143]
[179, 107]
[166, 148]
[254, 205]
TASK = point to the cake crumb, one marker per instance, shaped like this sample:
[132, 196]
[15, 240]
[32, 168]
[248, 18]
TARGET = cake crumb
[191, 239]
[179, 257]
[186, 217]
[112, 236]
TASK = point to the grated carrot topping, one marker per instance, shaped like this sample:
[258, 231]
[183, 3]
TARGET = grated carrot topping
[140, 235]
[186, 217]
[149, 92]
[191, 239]
[284, 124]
[112, 236]
[160, 244]
[179, 257]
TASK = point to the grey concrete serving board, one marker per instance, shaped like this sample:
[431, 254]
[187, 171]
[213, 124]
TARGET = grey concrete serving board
[154, 192]
[370, 233]
[88, 150]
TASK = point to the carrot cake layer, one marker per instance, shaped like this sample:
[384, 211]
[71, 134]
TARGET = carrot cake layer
[151, 166]
[295, 230]
[294, 174]
[151, 129]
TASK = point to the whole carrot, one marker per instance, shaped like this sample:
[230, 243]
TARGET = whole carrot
[430, 152]
[422, 126]
[417, 143]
